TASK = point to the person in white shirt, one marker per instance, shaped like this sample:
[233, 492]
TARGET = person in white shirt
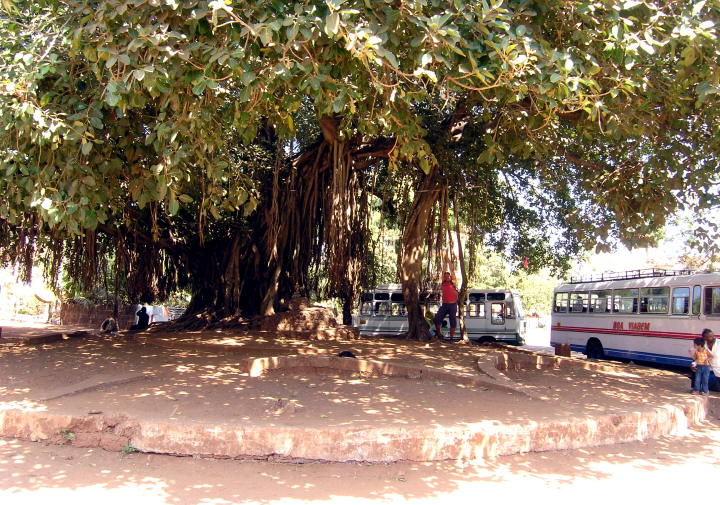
[714, 382]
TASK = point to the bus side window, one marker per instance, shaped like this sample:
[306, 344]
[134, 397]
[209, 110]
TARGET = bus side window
[366, 309]
[561, 302]
[579, 303]
[481, 310]
[680, 300]
[625, 300]
[509, 312]
[497, 313]
[600, 301]
[382, 308]
[471, 310]
[712, 301]
[654, 300]
[696, 300]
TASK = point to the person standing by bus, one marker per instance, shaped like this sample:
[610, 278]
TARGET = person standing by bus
[714, 375]
[701, 361]
[448, 307]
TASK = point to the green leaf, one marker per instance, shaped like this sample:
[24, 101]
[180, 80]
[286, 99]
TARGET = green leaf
[96, 122]
[415, 42]
[199, 88]
[688, 56]
[266, 36]
[248, 77]
[173, 206]
[86, 148]
[698, 7]
[646, 47]
[332, 23]
[112, 99]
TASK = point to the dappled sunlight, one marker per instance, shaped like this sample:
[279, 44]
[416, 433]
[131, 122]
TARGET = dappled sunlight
[213, 388]
[32, 473]
[25, 405]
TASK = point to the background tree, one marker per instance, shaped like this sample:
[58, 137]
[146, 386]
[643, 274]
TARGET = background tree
[179, 131]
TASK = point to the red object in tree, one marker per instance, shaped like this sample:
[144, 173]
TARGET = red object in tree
[526, 264]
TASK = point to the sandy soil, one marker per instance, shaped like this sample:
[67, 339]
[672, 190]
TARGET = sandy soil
[204, 386]
[656, 471]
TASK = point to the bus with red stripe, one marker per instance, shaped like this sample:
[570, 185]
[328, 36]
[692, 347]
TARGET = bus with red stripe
[641, 315]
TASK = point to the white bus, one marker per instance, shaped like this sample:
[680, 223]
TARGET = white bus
[490, 314]
[642, 315]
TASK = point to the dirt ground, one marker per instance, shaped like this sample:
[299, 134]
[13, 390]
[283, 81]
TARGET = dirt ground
[201, 385]
[205, 385]
[656, 471]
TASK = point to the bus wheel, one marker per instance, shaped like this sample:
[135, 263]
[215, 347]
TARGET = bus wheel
[484, 340]
[594, 349]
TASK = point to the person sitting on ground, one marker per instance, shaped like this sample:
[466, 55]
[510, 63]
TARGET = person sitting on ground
[143, 320]
[109, 326]
[429, 319]
[448, 307]
[701, 360]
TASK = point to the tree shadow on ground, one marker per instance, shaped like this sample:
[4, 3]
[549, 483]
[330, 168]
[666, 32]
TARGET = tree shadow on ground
[30, 469]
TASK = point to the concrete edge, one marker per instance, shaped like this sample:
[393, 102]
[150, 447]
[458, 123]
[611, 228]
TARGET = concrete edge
[46, 338]
[477, 441]
[522, 359]
[259, 366]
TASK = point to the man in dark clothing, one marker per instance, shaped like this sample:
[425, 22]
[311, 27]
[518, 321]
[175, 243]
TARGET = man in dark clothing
[143, 320]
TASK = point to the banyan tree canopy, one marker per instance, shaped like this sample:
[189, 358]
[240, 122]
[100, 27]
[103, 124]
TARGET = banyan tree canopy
[240, 148]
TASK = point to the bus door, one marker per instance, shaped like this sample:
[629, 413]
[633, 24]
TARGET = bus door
[381, 311]
[498, 310]
[497, 315]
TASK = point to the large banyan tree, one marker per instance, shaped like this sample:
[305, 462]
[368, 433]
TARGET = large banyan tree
[236, 147]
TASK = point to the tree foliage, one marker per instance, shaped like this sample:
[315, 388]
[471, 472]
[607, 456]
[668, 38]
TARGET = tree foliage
[182, 131]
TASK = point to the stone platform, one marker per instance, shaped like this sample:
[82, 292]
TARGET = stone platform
[259, 397]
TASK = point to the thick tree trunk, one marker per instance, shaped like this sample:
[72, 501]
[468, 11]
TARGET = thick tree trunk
[312, 212]
[462, 296]
[116, 287]
[347, 306]
[412, 257]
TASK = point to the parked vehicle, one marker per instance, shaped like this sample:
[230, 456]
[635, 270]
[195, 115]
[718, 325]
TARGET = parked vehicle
[490, 314]
[642, 315]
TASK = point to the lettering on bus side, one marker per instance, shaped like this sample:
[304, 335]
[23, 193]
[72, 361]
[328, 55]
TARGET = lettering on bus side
[619, 325]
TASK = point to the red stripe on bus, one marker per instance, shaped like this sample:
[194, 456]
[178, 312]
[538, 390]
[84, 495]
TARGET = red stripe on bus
[640, 333]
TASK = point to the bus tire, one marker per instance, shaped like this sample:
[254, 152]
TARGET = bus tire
[484, 340]
[594, 349]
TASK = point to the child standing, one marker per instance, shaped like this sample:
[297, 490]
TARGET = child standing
[701, 356]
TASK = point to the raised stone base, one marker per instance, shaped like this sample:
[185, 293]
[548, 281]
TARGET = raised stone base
[466, 441]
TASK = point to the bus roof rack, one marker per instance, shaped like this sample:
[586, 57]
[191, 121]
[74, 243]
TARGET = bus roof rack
[630, 274]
